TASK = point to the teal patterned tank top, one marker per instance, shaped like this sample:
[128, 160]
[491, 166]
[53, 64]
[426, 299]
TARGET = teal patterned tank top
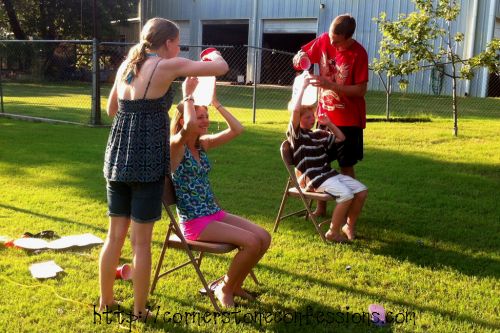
[192, 187]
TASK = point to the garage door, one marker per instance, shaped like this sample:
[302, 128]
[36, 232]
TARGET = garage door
[291, 26]
[184, 26]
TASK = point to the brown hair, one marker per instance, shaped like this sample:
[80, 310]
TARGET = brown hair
[344, 25]
[154, 34]
[175, 124]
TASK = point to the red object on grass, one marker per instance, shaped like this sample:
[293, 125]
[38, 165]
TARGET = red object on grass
[124, 272]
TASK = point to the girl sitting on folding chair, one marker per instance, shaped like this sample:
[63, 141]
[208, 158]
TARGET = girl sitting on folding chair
[201, 217]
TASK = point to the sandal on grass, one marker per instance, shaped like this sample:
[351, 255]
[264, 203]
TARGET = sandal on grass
[245, 294]
[49, 234]
[220, 296]
[212, 285]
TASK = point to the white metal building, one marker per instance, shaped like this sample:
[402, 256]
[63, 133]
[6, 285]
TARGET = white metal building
[255, 22]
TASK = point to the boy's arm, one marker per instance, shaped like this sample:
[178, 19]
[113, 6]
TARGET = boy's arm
[311, 50]
[324, 120]
[295, 105]
[355, 90]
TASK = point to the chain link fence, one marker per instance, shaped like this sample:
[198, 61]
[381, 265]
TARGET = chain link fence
[55, 80]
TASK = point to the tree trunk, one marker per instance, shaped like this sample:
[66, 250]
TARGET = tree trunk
[47, 25]
[454, 79]
[388, 91]
[455, 109]
[454, 94]
[13, 21]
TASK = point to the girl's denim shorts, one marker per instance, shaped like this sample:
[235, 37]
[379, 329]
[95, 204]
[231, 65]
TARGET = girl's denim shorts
[139, 201]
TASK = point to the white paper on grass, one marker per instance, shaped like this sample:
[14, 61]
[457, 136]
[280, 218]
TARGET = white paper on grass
[44, 270]
[76, 240]
[31, 243]
[61, 243]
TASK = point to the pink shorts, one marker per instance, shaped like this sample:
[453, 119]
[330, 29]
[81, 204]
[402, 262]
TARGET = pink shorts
[193, 228]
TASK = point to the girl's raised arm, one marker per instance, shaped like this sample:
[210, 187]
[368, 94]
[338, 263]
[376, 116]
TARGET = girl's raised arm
[178, 139]
[234, 129]
[178, 66]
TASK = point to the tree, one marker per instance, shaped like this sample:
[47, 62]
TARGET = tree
[408, 46]
[62, 19]
[56, 20]
[13, 21]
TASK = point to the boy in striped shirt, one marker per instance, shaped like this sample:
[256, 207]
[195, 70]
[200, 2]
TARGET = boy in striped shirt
[314, 173]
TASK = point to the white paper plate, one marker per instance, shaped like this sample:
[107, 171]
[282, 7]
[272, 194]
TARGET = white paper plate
[31, 243]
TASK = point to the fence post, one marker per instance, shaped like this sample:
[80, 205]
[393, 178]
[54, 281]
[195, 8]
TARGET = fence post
[1, 88]
[387, 97]
[95, 117]
[254, 97]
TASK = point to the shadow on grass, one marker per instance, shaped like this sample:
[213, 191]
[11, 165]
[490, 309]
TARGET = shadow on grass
[422, 210]
[52, 218]
[277, 97]
[408, 306]
[274, 317]
[427, 254]
[413, 197]
[81, 115]
[34, 90]
[338, 317]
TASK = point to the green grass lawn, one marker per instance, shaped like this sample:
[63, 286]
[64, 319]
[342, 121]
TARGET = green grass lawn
[428, 245]
[72, 102]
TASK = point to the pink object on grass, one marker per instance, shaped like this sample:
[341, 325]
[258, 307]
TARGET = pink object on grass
[124, 272]
[377, 314]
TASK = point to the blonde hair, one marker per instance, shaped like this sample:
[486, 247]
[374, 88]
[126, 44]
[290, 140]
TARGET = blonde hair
[303, 108]
[154, 34]
[175, 124]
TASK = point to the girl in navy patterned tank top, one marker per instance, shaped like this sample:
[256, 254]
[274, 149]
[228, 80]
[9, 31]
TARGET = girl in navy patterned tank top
[137, 153]
[201, 217]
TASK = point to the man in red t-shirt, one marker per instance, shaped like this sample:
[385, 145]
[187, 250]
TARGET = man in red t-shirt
[342, 79]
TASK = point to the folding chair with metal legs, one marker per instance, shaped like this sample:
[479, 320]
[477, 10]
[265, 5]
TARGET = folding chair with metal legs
[293, 189]
[175, 239]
